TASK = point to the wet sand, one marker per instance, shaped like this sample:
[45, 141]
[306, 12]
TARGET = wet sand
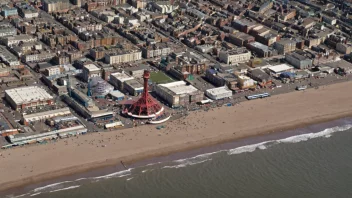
[30, 164]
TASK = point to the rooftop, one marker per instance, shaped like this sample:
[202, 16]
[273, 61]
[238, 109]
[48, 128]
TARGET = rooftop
[92, 67]
[280, 68]
[179, 87]
[218, 90]
[27, 94]
[259, 45]
[122, 76]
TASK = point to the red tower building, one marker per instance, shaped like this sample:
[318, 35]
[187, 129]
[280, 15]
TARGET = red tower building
[145, 106]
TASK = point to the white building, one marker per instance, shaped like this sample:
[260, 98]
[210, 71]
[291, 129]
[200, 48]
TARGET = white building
[45, 115]
[52, 71]
[89, 71]
[178, 93]
[117, 79]
[163, 7]
[218, 93]
[24, 97]
[42, 56]
[278, 69]
[7, 31]
[244, 82]
[238, 55]
[15, 40]
[123, 57]
[7, 57]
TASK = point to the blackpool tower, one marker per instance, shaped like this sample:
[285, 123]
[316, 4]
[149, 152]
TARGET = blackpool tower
[145, 106]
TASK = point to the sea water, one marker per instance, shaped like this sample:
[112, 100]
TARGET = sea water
[309, 164]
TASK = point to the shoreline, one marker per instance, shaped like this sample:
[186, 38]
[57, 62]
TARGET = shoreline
[229, 135]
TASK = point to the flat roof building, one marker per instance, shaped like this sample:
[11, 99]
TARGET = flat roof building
[133, 87]
[218, 93]
[178, 93]
[44, 115]
[117, 95]
[89, 71]
[24, 97]
[238, 55]
[118, 78]
[278, 69]
[8, 57]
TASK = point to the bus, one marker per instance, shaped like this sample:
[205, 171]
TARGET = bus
[263, 95]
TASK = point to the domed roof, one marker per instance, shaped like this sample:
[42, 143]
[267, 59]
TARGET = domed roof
[102, 88]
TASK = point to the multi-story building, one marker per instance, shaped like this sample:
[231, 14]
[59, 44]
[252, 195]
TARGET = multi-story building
[234, 56]
[156, 50]
[56, 5]
[244, 25]
[117, 79]
[123, 56]
[240, 39]
[7, 31]
[265, 6]
[8, 58]
[9, 11]
[262, 78]
[163, 6]
[298, 61]
[52, 71]
[89, 71]
[329, 20]
[4, 70]
[27, 11]
[15, 40]
[259, 49]
[285, 45]
[344, 48]
[288, 15]
[178, 93]
[38, 57]
[133, 87]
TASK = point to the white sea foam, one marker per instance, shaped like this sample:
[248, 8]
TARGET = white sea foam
[188, 163]
[18, 196]
[83, 178]
[325, 133]
[50, 186]
[293, 139]
[117, 174]
[151, 164]
[68, 188]
[128, 179]
[32, 195]
[198, 157]
[248, 148]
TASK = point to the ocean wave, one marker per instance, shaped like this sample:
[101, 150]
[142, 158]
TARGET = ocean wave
[198, 157]
[35, 194]
[18, 196]
[68, 188]
[248, 148]
[188, 163]
[325, 133]
[152, 164]
[117, 174]
[147, 170]
[293, 139]
[128, 179]
[80, 179]
[50, 186]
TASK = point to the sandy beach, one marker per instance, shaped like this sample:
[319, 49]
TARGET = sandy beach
[30, 164]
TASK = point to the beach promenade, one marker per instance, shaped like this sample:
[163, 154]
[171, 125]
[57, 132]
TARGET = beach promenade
[30, 164]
